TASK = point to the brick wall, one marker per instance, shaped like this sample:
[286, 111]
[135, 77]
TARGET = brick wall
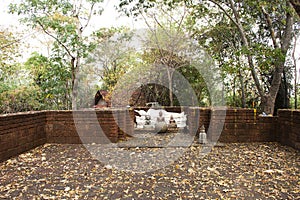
[227, 125]
[102, 127]
[21, 132]
[288, 127]
[232, 125]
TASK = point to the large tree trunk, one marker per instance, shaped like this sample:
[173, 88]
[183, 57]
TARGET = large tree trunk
[296, 5]
[279, 65]
[282, 99]
[267, 104]
[267, 100]
[74, 92]
[76, 65]
[242, 88]
[295, 73]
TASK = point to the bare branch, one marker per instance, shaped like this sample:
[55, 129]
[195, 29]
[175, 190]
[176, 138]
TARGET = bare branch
[154, 32]
[89, 17]
[11, 43]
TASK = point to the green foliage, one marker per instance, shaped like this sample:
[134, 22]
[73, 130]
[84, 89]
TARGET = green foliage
[53, 78]
[112, 57]
[20, 99]
[106, 56]
[9, 48]
[197, 83]
[221, 37]
[11, 76]
[65, 22]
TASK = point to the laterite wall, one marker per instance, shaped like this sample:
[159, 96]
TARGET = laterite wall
[21, 132]
[288, 128]
[102, 127]
[232, 125]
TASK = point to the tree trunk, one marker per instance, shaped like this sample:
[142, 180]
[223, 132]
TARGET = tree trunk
[296, 89]
[279, 65]
[267, 100]
[74, 92]
[170, 79]
[242, 88]
[234, 95]
[286, 92]
[76, 65]
[267, 104]
[295, 71]
[296, 5]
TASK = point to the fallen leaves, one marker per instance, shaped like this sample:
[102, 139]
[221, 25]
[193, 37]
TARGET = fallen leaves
[271, 171]
[243, 171]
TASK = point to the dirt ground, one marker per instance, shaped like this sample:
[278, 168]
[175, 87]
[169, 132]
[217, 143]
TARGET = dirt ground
[232, 171]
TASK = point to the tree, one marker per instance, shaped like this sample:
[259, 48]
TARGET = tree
[53, 78]
[265, 49]
[9, 48]
[224, 44]
[112, 57]
[65, 22]
[264, 12]
[272, 28]
[16, 94]
[295, 71]
[167, 41]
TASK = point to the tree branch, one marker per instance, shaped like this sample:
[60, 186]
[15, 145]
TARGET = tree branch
[246, 44]
[287, 35]
[225, 12]
[16, 41]
[270, 26]
[89, 17]
[55, 38]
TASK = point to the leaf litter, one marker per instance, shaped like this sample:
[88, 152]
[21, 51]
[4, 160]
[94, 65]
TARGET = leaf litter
[233, 171]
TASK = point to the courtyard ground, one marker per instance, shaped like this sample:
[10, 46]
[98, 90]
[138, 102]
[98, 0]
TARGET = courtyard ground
[230, 171]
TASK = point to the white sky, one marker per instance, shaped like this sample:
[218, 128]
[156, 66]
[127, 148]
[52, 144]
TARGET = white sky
[110, 17]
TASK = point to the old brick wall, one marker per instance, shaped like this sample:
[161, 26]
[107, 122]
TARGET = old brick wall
[21, 132]
[88, 126]
[232, 125]
[196, 117]
[288, 127]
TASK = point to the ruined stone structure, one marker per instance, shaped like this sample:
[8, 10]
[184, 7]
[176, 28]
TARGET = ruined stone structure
[21, 132]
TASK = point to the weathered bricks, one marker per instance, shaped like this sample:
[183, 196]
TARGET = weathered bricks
[232, 125]
[21, 132]
[88, 126]
[288, 126]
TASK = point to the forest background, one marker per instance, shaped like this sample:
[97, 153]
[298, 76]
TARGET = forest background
[62, 52]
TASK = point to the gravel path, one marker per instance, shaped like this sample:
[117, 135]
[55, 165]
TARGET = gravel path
[233, 171]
